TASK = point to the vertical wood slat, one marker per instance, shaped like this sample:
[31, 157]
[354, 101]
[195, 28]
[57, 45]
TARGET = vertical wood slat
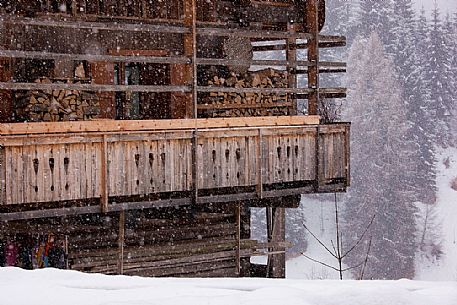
[8, 178]
[47, 173]
[77, 168]
[103, 176]
[260, 165]
[89, 170]
[25, 184]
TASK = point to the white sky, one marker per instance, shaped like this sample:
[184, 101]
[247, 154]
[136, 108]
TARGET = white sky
[444, 5]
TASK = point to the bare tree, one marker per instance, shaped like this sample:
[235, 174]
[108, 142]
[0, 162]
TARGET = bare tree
[338, 251]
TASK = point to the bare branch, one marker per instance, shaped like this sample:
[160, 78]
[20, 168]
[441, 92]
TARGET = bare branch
[353, 267]
[334, 249]
[319, 262]
[366, 259]
[318, 240]
[361, 237]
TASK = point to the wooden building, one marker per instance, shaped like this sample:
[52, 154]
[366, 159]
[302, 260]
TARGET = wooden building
[141, 132]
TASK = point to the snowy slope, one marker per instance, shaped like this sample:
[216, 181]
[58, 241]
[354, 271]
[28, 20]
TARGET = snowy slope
[56, 287]
[446, 217]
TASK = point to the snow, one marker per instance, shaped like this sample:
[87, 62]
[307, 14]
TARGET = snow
[446, 210]
[51, 286]
[320, 219]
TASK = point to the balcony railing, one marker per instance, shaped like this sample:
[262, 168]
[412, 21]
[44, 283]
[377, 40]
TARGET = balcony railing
[207, 160]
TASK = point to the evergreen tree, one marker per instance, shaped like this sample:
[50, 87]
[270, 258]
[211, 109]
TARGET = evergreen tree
[439, 78]
[378, 161]
[409, 58]
[376, 16]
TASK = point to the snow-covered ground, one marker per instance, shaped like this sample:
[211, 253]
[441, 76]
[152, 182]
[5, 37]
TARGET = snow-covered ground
[56, 287]
[444, 269]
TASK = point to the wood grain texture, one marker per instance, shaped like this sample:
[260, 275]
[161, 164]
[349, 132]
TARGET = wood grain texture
[41, 168]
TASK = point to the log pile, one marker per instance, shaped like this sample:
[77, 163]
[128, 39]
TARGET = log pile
[223, 104]
[56, 105]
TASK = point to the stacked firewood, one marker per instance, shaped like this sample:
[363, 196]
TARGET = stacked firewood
[233, 104]
[56, 105]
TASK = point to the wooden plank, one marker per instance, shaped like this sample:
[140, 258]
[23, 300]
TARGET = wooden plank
[97, 87]
[3, 183]
[140, 169]
[119, 126]
[259, 165]
[89, 169]
[129, 164]
[146, 172]
[126, 57]
[103, 176]
[47, 173]
[40, 156]
[78, 164]
[11, 163]
[104, 26]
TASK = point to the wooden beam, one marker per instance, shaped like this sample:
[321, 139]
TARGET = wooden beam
[157, 89]
[312, 7]
[292, 63]
[114, 207]
[101, 26]
[250, 33]
[92, 87]
[150, 125]
[134, 57]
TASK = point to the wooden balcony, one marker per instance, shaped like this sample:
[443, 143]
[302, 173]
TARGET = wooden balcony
[118, 165]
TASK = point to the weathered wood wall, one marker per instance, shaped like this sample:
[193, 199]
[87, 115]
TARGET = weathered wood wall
[187, 242]
[78, 166]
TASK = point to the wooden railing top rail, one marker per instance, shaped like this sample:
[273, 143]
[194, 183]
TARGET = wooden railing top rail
[108, 126]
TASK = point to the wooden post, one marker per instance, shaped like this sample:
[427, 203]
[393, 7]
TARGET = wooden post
[313, 55]
[67, 264]
[121, 239]
[291, 57]
[238, 238]
[103, 74]
[104, 176]
[183, 105]
[6, 105]
[277, 261]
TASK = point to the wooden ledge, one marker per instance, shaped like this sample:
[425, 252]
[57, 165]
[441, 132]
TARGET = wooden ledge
[147, 125]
